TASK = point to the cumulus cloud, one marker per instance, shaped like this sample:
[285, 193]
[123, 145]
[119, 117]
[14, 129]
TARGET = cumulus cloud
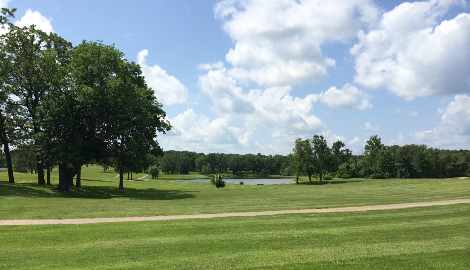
[369, 127]
[34, 17]
[347, 98]
[273, 108]
[167, 88]
[4, 3]
[219, 65]
[413, 54]
[223, 90]
[454, 129]
[400, 140]
[278, 42]
[355, 145]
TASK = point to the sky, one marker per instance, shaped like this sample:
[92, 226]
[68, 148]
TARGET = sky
[249, 76]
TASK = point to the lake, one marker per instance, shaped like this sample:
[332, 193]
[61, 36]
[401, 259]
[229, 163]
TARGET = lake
[245, 181]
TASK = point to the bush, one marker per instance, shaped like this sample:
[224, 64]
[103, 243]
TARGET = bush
[241, 183]
[327, 177]
[345, 176]
[154, 171]
[217, 181]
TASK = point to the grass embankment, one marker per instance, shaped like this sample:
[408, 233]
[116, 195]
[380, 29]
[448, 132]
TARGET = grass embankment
[418, 238]
[99, 196]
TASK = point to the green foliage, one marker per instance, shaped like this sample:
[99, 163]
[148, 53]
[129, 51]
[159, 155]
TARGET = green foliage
[218, 181]
[241, 183]
[154, 171]
[206, 169]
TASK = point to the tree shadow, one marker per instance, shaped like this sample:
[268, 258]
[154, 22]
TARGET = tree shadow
[91, 192]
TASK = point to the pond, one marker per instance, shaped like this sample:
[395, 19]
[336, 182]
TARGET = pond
[245, 181]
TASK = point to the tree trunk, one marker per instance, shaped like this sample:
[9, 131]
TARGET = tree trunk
[78, 183]
[297, 179]
[6, 150]
[310, 178]
[65, 175]
[48, 176]
[121, 178]
[40, 170]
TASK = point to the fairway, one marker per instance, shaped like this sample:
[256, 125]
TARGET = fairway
[415, 238]
[433, 237]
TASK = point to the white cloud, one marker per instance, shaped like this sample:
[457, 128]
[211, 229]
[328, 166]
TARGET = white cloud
[347, 98]
[4, 3]
[219, 65]
[369, 127]
[223, 90]
[278, 43]
[454, 129]
[34, 17]
[167, 88]
[409, 113]
[400, 140]
[272, 108]
[413, 54]
[356, 145]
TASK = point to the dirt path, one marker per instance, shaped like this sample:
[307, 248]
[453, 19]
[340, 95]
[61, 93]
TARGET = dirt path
[241, 214]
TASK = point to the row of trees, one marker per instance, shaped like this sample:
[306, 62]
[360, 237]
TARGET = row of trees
[313, 158]
[184, 161]
[408, 161]
[74, 104]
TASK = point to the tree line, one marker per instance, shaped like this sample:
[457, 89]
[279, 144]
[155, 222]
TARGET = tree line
[238, 165]
[313, 158]
[72, 104]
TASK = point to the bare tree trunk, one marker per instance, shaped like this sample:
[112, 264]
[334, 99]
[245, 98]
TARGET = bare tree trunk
[64, 175]
[78, 183]
[121, 178]
[6, 150]
[40, 170]
[48, 176]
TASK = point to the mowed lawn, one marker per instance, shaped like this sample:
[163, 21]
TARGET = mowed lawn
[435, 237]
[99, 196]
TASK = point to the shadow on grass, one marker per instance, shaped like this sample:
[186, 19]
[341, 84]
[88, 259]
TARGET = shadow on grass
[87, 192]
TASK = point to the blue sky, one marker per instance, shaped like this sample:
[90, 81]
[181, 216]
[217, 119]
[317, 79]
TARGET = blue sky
[238, 76]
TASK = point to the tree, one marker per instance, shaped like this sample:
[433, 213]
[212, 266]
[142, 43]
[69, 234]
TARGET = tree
[322, 155]
[105, 110]
[371, 151]
[385, 162]
[31, 69]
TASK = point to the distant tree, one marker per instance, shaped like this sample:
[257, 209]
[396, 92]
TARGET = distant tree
[154, 171]
[322, 154]
[385, 162]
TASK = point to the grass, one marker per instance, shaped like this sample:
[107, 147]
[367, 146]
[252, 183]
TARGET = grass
[417, 238]
[99, 196]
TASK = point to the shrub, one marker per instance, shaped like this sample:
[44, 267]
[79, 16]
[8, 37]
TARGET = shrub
[327, 177]
[345, 176]
[154, 171]
[217, 181]
[241, 183]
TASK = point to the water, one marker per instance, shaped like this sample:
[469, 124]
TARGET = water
[245, 181]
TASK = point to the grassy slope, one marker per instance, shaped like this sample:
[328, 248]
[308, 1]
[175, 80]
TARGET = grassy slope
[99, 196]
[418, 238]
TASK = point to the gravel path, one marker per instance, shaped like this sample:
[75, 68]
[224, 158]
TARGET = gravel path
[241, 214]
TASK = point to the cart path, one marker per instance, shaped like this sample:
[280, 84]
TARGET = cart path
[240, 214]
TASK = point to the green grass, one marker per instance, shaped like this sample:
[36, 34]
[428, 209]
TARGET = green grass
[417, 238]
[99, 196]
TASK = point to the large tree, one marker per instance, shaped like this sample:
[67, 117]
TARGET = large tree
[32, 66]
